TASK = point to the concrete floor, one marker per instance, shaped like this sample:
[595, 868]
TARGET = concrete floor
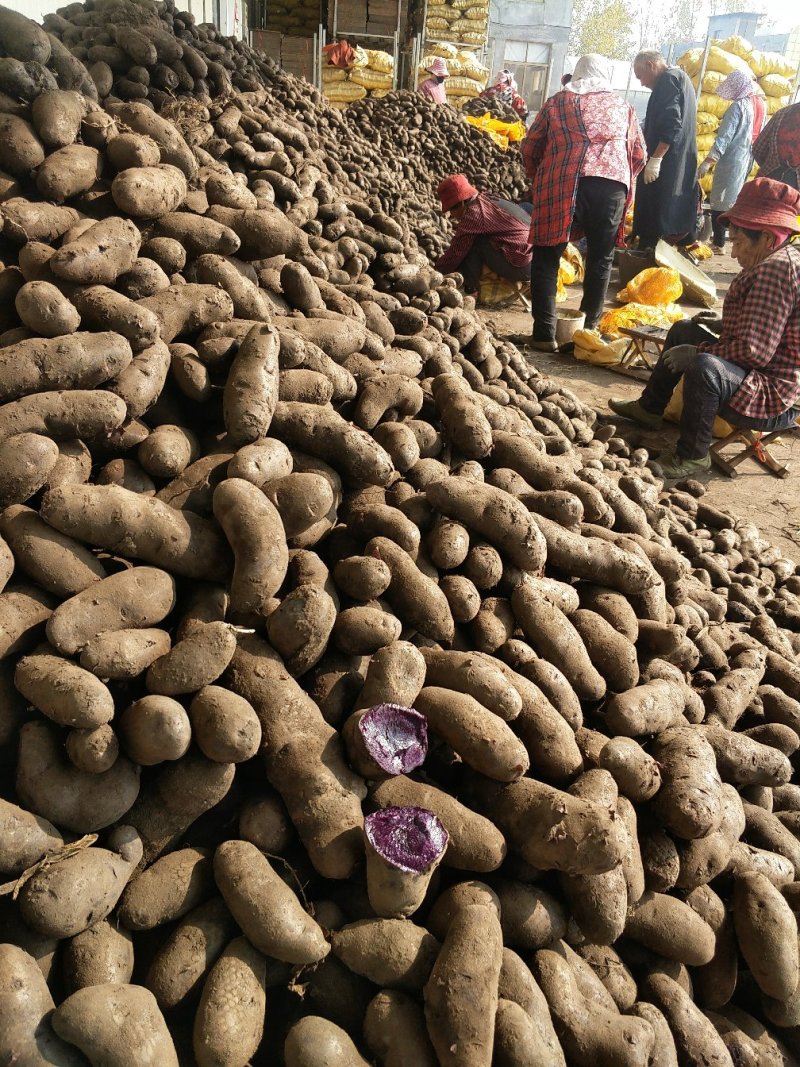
[771, 503]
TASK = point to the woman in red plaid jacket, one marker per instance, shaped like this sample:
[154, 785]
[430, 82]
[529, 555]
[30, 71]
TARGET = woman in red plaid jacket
[748, 368]
[582, 155]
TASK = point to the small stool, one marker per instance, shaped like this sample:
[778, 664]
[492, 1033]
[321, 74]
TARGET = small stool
[756, 444]
[637, 351]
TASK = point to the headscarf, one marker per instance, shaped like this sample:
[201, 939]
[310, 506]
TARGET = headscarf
[737, 86]
[592, 74]
[505, 85]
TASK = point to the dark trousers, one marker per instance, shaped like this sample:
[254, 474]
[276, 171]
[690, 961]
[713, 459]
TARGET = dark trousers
[719, 231]
[599, 205]
[708, 386]
[484, 254]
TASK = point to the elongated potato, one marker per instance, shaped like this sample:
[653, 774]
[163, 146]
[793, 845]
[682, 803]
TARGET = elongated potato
[64, 692]
[167, 890]
[251, 389]
[229, 1023]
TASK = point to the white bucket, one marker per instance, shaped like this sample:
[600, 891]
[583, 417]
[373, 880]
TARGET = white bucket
[567, 324]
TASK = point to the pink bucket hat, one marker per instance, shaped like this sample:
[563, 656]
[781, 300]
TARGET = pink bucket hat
[438, 68]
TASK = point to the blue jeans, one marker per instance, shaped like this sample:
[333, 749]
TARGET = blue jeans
[709, 384]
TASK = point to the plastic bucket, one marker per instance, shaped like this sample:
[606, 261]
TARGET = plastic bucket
[567, 324]
[630, 262]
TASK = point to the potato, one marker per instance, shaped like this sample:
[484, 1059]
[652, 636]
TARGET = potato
[143, 120]
[26, 1006]
[120, 654]
[92, 751]
[133, 150]
[153, 729]
[69, 171]
[696, 1040]
[394, 1030]
[66, 898]
[25, 839]
[415, 598]
[26, 461]
[169, 889]
[182, 961]
[649, 708]
[77, 361]
[689, 802]
[185, 309]
[224, 726]
[65, 693]
[22, 38]
[149, 192]
[24, 609]
[104, 308]
[636, 772]
[106, 1022]
[100, 955]
[100, 255]
[24, 220]
[195, 661]
[314, 1040]
[265, 907]
[229, 1023]
[23, 151]
[185, 543]
[470, 673]
[394, 953]
[254, 529]
[45, 310]
[766, 930]
[76, 413]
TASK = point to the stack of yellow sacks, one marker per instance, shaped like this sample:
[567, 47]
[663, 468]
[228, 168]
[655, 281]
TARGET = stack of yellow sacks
[370, 74]
[773, 72]
[468, 76]
[463, 21]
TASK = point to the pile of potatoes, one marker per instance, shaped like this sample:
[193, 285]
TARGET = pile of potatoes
[362, 699]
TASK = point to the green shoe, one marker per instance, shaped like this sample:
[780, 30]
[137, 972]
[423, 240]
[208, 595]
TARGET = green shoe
[674, 466]
[633, 410]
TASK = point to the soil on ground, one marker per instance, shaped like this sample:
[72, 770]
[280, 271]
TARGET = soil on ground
[755, 495]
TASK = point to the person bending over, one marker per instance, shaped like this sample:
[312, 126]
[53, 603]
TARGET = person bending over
[753, 368]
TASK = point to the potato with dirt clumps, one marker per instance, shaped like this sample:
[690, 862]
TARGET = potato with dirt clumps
[153, 729]
[229, 1023]
[26, 461]
[64, 898]
[299, 628]
[649, 708]
[69, 171]
[255, 532]
[766, 931]
[689, 802]
[26, 1009]
[197, 660]
[98, 956]
[415, 598]
[167, 890]
[102, 252]
[394, 953]
[77, 413]
[107, 1021]
[65, 693]
[77, 361]
[461, 993]
[120, 654]
[265, 907]
[23, 151]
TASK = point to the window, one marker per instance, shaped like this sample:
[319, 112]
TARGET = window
[529, 62]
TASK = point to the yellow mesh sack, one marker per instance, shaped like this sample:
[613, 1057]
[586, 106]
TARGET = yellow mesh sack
[706, 182]
[691, 61]
[633, 315]
[775, 85]
[775, 103]
[674, 410]
[372, 79]
[444, 50]
[591, 348]
[575, 260]
[705, 142]
[712, 80]
[474, 38]
[463, 87]
[706, 123]
[333, 74]
[466, 26]
[726, 62]
[713, 105]
[462, 5]
[739, 46]
[764, 63]
[657, 286]
[436, 24]
[345, 92]
[478, 14]
[380, 61]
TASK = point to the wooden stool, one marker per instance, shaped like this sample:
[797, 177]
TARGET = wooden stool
[756, 447]
[637, 351]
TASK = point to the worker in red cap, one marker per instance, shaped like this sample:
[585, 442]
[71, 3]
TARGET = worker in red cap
[489, 233]
[433, 87]
[752, 368]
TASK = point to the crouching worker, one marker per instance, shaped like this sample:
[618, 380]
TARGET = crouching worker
[489, 233]
[752, 370]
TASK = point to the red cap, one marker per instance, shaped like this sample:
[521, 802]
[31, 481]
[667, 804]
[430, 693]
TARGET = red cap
[764, 202]
[454, 190]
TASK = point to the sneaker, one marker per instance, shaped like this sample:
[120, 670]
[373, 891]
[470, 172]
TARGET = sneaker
[633, 410]
[674, 466]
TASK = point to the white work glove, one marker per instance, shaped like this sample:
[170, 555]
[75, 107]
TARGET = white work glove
[652, 170]
[705, 167]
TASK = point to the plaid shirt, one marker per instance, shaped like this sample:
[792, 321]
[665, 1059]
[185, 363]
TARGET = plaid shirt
[777, 150]
[555, 152]
[485, 218]
[761, 330]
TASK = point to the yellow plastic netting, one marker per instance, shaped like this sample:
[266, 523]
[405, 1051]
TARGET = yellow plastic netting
[776, 85]
[633, 315]
[459, 86]
[371, 79]
[712, 80]
[502, 133]
[764, 63]
[380, 61]
[706, 123]
[725, 62]
[713, 105]
[775, 103]
[739, 46]
[705, 142]
[656, 286]
[591, 348]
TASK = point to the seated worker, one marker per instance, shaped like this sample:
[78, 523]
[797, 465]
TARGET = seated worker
[753, 367]
[489, 232]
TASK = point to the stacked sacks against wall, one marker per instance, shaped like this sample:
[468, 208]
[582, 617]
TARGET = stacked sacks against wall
[772, 71]
[371, 73]
[468, 76]
[460, 21]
